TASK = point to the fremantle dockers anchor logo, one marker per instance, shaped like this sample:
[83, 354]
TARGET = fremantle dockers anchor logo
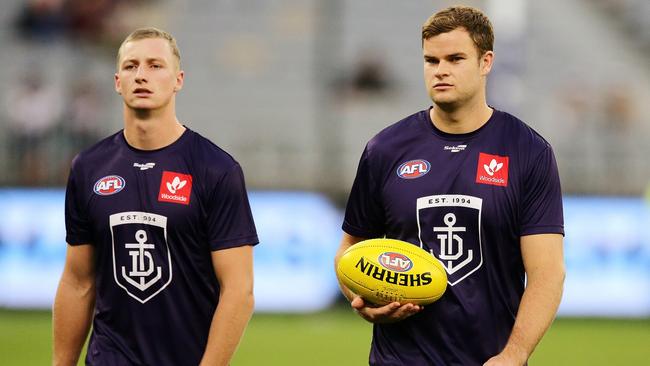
[451, 245]
[449, 226]
[142, 265]
[141, 258]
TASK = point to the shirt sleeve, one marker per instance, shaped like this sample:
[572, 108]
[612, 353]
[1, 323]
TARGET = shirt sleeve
[542, 203]
[77, 225]
[364, 214]
[230, 221]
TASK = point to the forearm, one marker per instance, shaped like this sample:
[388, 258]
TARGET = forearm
[537, 310]
[346, 242]
[228, 324]
[344, 290]
[71, 318]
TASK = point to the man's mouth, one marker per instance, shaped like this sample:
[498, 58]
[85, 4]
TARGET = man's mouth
[442, 86]
[142, 91]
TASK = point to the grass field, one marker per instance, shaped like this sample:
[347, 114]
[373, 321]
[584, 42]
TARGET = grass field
[338, 337]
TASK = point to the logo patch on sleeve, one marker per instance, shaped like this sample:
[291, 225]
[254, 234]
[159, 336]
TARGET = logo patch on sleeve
[492, 169]
[175, 188]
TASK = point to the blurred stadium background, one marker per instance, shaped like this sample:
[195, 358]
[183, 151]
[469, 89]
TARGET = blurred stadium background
[294, 89]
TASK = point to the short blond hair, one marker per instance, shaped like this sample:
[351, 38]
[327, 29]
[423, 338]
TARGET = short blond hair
[151, 32]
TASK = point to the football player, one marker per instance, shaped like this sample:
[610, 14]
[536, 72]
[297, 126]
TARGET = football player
[159, 230]
[478, 189]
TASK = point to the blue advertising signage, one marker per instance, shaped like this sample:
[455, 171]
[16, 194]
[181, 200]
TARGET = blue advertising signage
[607, 252]
[299, 233]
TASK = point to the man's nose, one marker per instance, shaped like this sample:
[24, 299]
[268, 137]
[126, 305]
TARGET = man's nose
[442, 69]
[140, 76]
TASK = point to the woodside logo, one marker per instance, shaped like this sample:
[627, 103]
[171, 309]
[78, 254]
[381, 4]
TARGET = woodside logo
[175, 188]
[492, 169]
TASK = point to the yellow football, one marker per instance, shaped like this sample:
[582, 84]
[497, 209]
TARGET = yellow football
[386, 270]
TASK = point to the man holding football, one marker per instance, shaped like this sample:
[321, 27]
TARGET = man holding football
[479, 190]
[159, 232]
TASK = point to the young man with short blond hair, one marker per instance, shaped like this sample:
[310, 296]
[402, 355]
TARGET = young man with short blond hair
[159, 230]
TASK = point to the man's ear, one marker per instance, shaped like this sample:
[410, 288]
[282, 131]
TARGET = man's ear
[180, 78]
[486, 62]
[117, 84]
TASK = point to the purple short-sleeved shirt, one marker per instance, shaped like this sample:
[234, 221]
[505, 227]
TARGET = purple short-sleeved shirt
[467, 199]
[154, 217]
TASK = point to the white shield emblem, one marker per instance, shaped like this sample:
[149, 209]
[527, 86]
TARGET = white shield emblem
[449, 227]
[142, 263]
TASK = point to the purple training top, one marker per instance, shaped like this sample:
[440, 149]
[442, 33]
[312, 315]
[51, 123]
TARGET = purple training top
[154, 217]
[467, 199]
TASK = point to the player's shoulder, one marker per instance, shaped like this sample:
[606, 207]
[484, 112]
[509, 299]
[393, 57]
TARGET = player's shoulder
[209, 164]
[525, 136]
[208, 154]
[398, 134]
[98, 152]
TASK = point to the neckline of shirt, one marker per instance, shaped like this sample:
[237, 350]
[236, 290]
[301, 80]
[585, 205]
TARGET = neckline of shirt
[428, 124]
[171, 147]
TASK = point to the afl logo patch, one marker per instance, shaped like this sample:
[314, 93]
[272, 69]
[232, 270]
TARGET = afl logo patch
[108, 185]
[413, 169]
[395, 262]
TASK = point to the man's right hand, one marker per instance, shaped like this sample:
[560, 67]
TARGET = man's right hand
[389, 313]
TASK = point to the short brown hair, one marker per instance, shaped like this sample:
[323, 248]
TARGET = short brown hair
[473, 20]
[151, 32]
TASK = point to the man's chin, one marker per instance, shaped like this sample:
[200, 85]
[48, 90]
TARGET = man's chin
[141, 105]
[445, 103]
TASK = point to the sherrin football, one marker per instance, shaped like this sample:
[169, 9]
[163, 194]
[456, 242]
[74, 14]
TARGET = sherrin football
[386, 270]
